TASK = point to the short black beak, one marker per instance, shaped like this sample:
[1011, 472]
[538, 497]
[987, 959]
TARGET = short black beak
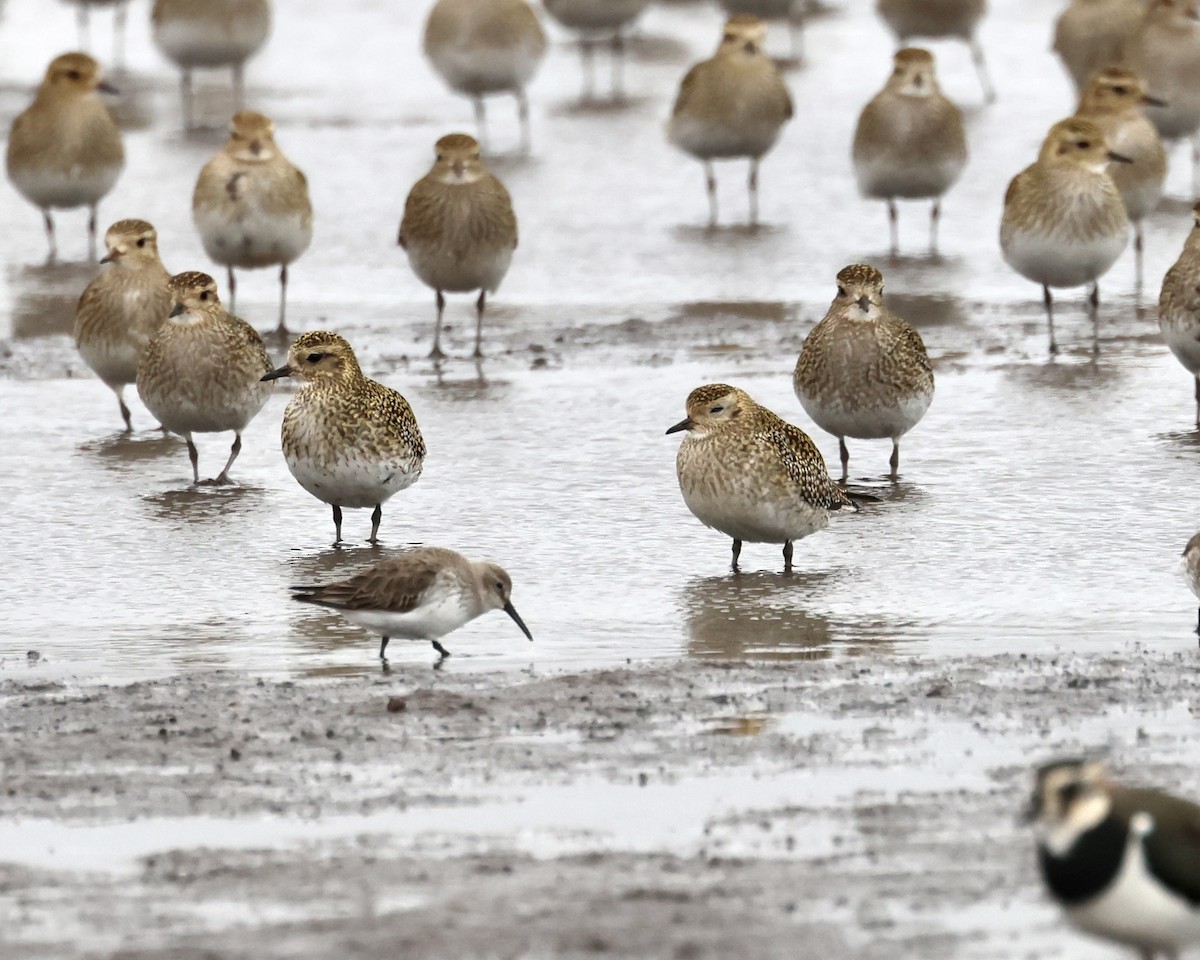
[1153, 101]
[684, 424]
[176, 310]
[284, 371]
[864, 304]
[105, 87]
[1118, 157]
[107, 258]
[510, 610]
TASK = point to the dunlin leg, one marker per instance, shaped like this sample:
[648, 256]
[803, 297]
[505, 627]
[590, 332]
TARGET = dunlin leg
[92, 232]
[935, 216]
[710, 181]
[120, 392]
[737, 552]
[587, 57]
[787, 556]
[985, 80]
[376, 518]
[48, 220]
[618, 67]
[440, 649]
[232, 283]
[752, 184]
[119, 18]
[480, 306]
[894, 462]
[383, 647]
[194, 456]
[436, 352]
[281, 330]
[239, 86]
[223, 476]
[185, 91]
[523, 115]
[481, 122]
[1048, 301]
[894, 225]
[337, 525]
[844, 451]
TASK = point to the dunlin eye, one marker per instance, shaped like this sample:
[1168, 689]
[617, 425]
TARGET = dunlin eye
[314, 357]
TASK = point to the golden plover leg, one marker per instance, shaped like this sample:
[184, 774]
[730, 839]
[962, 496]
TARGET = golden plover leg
[185, 91]
[232, 290]
[894, 225]
[935, 215]
[523, 115]
[737, 552]
[1048, 301]
[480, 306]
[376, 517]
[752, 184]
[436, 352]
[787, 556]
[618, 67]
[894, 461]
[282, 330]
[481, 121]
[223, 476]
[845, 454]
[985, 80]
[710, 182]
[337, 534]
[382, 647]
[194, 456]
[48, 220]
[440, 649]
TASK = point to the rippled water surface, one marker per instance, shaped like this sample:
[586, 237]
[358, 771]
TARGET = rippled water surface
[1042, 504]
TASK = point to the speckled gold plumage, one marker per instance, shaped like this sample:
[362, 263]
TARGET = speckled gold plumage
[348, 440]
[863, 371]
[123, 307]
[748, 473]
[202, 371]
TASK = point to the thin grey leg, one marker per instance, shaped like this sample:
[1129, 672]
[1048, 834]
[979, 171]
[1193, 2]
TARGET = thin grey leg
[935, 216]
[1048, 301]
[894, 462]
[481, 122]
[894, 225]
[376, 517]
[436, 352]
[1198, 403]
[239, 86]
[710, 180]
[337, 532]
[440, 649]
[120, 391]
[232, 282]
[1139, 247]
[383, 647]
[844, 451]
[985, 80]
[618, 67]
[787, 556]
[753, 186]
[737, 552]
[194, 456]
[48, 221]
[1094, 313]
[92, 232]
[523, 114]
[185, 89]
[480, 306]
[281, 330]
[587, 56]
[223, 476]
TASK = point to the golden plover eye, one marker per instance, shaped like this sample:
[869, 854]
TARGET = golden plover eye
[314, 357]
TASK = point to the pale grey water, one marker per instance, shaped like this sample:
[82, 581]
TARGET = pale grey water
[1042, 506]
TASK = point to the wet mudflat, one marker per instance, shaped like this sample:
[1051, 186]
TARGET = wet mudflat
[684, 763]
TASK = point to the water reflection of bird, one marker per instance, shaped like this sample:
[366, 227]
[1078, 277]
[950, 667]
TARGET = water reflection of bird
[759, 615]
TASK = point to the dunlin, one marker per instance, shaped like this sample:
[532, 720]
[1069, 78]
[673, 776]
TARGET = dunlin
[349, 441]
[1115, 100]
[202, 371]
[863, 372]
[1179, 306]
[731, 106]
[1190, 563]
[939, 19]
[123, 307]
[1165, 52]
[251, 205]
[790, 11]
[1091, 35]
[910, 142]
[422, 594]
[1064, 222]
[459, 229]
[1122, 862]
[752, 476]
[484, 47]
[65, 150]
[83, 12]
[597, 22]
[210, 35]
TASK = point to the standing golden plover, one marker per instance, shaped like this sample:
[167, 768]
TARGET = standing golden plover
[210, 35]
[65, 150]
[939, 19]
[123, 307]
[482, 47]
[251, 205]
[1115, 100]
[459, 229]
[791, 11]
[202, 371]
[1064, 222]
[422, 594]
[910, 142]
[1179, 306]
[595, 21]
[731, 106]
[349, 441]
[863, 372]
[1165, 52]
[1091, 35]
[752, 476]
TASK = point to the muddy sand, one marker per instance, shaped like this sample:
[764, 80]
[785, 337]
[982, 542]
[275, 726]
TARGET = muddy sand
[822, 808]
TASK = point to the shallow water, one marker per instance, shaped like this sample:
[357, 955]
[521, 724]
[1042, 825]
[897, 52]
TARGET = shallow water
[1042, 503]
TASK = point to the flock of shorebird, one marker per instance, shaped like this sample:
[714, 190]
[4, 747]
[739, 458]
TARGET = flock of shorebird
[1125, 864]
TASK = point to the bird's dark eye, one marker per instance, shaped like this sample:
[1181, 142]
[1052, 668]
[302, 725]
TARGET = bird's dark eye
[315, 357]
[441, 157]
[841, 290]
[1069, 793]
[74, 75]
[716, 409]
[1120, 91]
[1083, 144]
[500, 588]
[142, 242]
[204, 295]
